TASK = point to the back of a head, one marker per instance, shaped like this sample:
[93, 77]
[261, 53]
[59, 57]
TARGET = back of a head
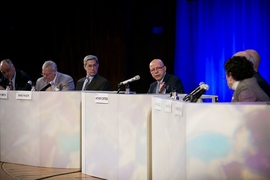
[256, 58]
[239, 67]
[245, 54]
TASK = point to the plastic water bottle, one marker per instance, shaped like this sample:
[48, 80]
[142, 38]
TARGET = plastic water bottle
[33, 88]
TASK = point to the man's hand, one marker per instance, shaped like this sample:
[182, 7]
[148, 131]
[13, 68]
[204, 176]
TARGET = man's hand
[161, 87]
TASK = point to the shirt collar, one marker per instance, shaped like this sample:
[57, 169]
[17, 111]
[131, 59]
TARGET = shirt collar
[162, 78]
[56, 74]
[234, 86]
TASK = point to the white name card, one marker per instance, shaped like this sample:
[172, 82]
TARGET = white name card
[3, 94]
[168, 106]
[158, 104]
[179, 109]
[24, 95]
[102, 98]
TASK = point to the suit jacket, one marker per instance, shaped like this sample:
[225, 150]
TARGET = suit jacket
[262, 83]
[98, 83]
[172, 82]
[248, 90]
[20, 81]
[63, 82]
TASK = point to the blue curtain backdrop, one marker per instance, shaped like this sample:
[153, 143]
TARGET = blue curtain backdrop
[208, 32]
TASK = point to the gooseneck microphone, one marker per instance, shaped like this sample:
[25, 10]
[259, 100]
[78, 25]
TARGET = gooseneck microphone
[196, 93]
[28, 86]
[47, 86]
[129, 80]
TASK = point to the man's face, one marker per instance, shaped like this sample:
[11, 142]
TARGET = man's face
[157, 69]
[48, 74]
[229, 80]
[7, 70]
[91, 67]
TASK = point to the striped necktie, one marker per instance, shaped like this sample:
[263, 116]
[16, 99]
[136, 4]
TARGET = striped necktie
[11, 85]
[85, 83]
[157, 88]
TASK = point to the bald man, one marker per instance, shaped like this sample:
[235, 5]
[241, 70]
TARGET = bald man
[15, 79]
[256, 58]
[253, 56]
[165, 82]
[245, 54]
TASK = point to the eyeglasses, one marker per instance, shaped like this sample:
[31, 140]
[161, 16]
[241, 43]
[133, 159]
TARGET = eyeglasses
[92, 65]
[44, 74]
[156, 69]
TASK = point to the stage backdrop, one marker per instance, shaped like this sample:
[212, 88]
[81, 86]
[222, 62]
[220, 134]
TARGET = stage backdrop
[208, 32]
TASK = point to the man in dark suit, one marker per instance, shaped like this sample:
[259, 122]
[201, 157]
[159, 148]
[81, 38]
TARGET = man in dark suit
[165, 82]
[239, 76]
[93, 81]
[261, 81]
[58, 81]
[14, 78]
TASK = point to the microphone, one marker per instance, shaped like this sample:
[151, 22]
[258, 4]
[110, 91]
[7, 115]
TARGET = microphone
[129, 80]
[196, 93]
[46, 87]
[28, 86]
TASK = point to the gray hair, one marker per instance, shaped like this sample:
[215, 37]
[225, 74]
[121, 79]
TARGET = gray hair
[50, 64]
[90, 57]
[8, 61]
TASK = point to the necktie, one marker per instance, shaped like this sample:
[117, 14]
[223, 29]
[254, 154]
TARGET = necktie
[160, 89]
[85, 83]
[11, 85]
[157, 88]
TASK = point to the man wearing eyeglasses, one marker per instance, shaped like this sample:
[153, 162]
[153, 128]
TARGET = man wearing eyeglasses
[92, 80]
[12, 78]
[52, 80]
[165, 82]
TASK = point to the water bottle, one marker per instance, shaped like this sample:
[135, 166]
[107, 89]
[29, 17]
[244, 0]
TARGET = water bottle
[33, 88]
[127, 90]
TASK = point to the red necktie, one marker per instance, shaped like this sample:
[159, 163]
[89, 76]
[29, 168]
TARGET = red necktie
[11, 85]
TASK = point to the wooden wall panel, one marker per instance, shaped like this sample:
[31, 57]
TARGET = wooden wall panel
[120, 33]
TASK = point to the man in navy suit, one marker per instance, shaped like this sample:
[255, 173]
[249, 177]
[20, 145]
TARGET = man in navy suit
[50, 75]
[92, 81]
[165, 82]
[262, 82]
[16, 79]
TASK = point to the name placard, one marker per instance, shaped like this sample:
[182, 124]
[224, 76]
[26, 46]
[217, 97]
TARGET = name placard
[168, 106]
[179, 109]
[102, 98]
[157, 104]
[3, 94]
[24, 95]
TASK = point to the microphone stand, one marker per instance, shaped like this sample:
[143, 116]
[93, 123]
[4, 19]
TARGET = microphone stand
[127, 89]
[119, 87]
